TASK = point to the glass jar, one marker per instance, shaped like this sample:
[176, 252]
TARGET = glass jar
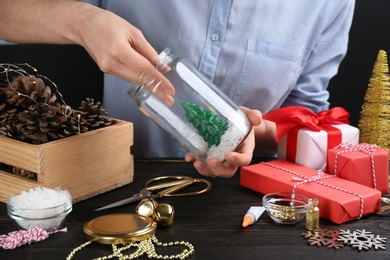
[202, 119]
[313, 215]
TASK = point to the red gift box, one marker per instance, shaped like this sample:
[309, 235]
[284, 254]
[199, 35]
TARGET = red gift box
[340, 200]
[309, 148]
[364, 163]
[304, 137]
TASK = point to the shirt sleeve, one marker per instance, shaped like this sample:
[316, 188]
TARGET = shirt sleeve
[323, 59]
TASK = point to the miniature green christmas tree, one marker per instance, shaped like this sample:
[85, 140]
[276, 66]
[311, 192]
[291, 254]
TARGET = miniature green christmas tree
[209, 125]
[374, 121]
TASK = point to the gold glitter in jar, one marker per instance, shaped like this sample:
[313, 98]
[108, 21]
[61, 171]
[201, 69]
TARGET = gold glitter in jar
[313, 215]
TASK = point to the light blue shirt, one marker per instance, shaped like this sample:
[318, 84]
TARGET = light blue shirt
[263, 54]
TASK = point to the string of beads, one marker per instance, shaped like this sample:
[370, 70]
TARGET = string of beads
[143, 247]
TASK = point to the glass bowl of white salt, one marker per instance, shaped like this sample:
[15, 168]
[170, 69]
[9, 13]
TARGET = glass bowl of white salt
[42, 207]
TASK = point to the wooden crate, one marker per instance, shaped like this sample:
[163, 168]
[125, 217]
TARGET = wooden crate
[87, 164]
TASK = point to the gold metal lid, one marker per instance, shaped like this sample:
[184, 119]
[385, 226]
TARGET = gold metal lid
[120, 228]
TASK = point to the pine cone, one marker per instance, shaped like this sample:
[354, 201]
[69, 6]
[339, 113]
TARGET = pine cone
[6, 113]
[26, 90]
[94, 114]
[22, 92]
[9, 131]
[42, 123]
[39, 124]
[25, 173]
[73, 124]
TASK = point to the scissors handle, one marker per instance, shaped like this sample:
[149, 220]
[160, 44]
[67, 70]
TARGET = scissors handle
[163, 185]
[179, 185]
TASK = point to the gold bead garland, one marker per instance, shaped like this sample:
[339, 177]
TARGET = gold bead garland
[145, 246]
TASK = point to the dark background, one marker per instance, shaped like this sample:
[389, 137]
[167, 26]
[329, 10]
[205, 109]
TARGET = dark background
[78, 77]
[370, 33]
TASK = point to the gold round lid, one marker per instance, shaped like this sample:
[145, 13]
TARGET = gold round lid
[120, 228]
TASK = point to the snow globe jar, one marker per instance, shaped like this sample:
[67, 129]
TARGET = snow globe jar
[202, 119]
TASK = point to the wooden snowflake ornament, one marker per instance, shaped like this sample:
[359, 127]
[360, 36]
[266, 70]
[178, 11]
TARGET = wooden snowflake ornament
[362, 239]
[322, 237]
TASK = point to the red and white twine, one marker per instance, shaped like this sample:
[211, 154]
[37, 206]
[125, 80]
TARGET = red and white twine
[23, 237]
[319, 176]
[316, 179]
[364, 148]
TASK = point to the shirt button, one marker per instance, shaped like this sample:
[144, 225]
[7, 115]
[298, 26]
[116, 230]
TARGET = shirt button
[214, 37]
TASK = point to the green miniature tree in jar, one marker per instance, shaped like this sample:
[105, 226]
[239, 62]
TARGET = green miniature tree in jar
[209, 125]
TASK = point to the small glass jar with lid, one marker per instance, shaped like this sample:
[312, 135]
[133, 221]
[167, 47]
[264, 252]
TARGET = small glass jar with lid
[202, 119]
[313, 215]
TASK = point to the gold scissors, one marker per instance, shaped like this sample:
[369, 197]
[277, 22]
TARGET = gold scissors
[170, 185]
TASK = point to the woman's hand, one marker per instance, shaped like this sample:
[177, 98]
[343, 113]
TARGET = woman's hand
[233, 160]
[120, 49]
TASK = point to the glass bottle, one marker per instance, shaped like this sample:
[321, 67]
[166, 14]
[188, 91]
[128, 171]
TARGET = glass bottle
[202, 119]
[313, 215]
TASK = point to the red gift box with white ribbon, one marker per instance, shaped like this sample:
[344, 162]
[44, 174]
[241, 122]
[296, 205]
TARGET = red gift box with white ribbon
[340, 200]
[367, 164]
[304, 137]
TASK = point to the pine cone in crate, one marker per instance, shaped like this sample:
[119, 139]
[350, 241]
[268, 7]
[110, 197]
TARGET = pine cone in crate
[94, 114]
[21, 93]
[28, 108]
[24, 173]
[42, 123]
[6, 113]
[9, 131]
[26, 90]
[73, 123]
[39, 123]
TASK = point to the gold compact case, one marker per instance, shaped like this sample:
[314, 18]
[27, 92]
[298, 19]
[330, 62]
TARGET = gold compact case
[120, 228]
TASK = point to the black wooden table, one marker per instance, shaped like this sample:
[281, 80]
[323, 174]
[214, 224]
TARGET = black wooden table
[210, 221]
